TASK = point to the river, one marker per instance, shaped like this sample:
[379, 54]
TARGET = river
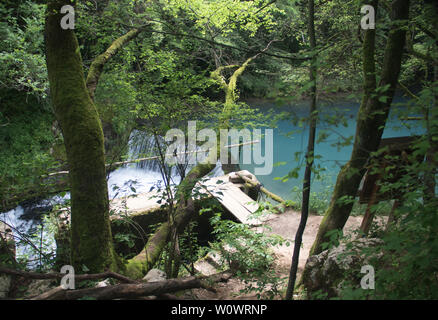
[290, 142]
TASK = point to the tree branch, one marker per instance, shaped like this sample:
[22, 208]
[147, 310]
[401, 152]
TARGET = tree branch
[97, 65]
[80, 277]
[423, 56]
[177, 34]
[132, 291]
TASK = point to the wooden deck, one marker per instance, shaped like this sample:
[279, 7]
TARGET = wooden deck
[232, 198]
[226, 192]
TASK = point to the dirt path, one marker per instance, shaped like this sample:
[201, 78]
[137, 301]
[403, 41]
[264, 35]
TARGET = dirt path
[285, 225]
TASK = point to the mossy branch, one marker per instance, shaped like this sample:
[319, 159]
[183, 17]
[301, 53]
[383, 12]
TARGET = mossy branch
[99, 62]
[146, 259]
[230, 87]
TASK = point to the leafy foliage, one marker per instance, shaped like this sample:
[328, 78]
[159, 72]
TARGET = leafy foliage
[22, 62]
[248, 253]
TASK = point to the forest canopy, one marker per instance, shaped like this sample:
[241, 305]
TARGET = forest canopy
[96, 92]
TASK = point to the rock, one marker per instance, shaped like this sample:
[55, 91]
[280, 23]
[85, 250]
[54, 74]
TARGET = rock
[208, 265]
[215, 259]
[37, 287]
[329, 270]
[7, 256]
[155, 275]
[5, 285]
[103, 283]
[205, 268]
[7, 243]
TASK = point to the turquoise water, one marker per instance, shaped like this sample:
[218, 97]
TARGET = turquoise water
[290, 138]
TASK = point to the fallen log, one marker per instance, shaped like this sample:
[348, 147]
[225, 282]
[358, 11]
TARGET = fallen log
[135, 290]
[262, 189]
[78, 277]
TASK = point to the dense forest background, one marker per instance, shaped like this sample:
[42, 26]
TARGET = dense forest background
[171, 61]
[154, 65]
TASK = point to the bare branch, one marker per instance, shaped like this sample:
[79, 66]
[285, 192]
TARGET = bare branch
[135, 290]
[81, 277]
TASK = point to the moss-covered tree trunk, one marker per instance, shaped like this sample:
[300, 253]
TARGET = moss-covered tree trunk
[371, 120]
[91, 239]
[148, 257]
[99, 62]
[230, 91]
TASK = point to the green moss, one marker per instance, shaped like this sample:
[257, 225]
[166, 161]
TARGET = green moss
[97, 65]
[134, 269]
[84, 144]
[371, 122]
[58, 152]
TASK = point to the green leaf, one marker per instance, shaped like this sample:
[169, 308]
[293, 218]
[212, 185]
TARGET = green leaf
[383, 99]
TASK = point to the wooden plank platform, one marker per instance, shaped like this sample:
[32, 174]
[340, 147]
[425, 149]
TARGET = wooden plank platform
[232, 198]
[227, 193]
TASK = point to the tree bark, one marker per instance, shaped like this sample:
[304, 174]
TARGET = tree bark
[309, 155]
[83, 137]
[98, 63]
[370, 123]
[146, 259]
[369, 213]
[59, 276]
[132, 291]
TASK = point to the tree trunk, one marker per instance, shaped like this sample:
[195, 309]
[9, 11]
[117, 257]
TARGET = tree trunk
[97, 65]
[309, 155]
[370, 123]
[146, 259]
[134, 290]
[83, 137]
[432, 128]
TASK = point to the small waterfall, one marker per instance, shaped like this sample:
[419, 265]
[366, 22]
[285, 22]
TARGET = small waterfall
[27, 225]
[139, 177]
[127, 180]
[142, 145]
